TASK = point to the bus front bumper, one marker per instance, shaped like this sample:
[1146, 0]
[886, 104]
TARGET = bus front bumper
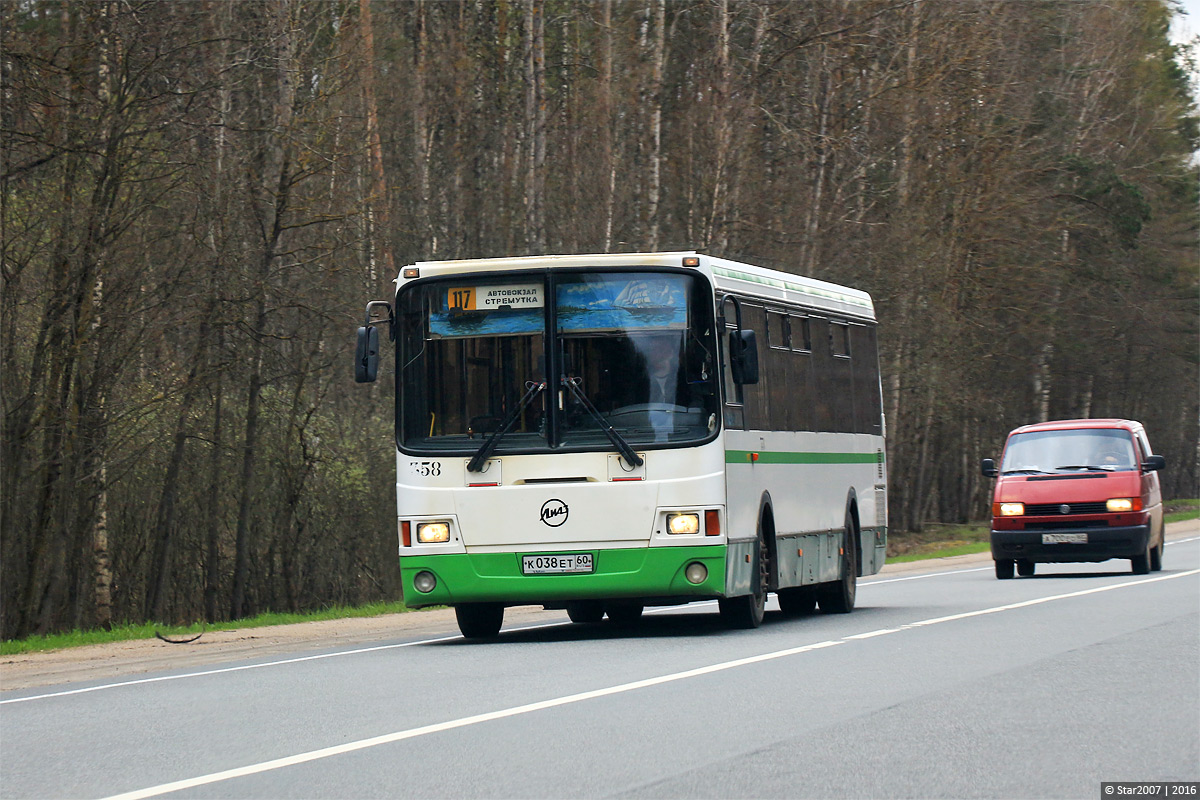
[642, 572]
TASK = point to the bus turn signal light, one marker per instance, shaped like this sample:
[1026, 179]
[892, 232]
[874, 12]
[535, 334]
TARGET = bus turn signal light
[712, 522]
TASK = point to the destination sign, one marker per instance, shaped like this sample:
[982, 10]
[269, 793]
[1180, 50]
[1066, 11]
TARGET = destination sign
[491, 298]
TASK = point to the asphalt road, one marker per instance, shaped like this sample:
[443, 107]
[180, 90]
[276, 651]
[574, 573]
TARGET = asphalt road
[940, 684]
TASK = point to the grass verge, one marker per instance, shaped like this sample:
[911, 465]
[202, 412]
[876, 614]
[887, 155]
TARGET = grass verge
[122, 633]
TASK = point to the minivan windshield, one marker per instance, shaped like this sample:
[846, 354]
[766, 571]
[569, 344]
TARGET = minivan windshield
[1088, 449]
[633, 354]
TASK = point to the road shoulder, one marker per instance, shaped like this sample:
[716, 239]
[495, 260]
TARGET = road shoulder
[133, 658]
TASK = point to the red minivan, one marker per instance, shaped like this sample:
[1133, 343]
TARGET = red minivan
[1076, 490]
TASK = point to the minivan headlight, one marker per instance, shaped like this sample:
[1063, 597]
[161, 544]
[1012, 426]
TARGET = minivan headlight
[1012, 509]
[1124, 504]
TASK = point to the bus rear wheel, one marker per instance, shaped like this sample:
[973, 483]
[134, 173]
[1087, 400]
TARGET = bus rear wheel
[479, 620]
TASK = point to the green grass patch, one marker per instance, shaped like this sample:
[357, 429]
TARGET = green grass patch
[938, 541]
[1179, 510]
[122, 633]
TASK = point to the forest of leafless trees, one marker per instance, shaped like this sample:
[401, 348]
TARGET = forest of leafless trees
[200, 198]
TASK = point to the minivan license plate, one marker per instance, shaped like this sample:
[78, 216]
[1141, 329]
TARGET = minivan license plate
[558, 563]
[1064, 538]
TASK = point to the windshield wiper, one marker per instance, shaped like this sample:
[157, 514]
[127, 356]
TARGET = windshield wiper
[1025, 471]
[622, 446]
[534, 388]
[1091, 467]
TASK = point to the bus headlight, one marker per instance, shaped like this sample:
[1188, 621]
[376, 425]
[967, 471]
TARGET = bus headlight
[1011, 509]
[433, 532]
[683, 523]
[696, 573]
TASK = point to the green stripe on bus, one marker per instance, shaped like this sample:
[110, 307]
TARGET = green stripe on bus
[744, 457]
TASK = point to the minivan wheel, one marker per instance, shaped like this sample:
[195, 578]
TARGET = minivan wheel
[1025, 567]
[1141, 562]
[1004, 569]
[1157, 553]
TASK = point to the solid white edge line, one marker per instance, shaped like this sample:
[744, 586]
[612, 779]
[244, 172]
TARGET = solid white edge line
[221, 670]
[389, 738]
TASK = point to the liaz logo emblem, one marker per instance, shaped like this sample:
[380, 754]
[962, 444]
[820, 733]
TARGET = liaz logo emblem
[554, 513]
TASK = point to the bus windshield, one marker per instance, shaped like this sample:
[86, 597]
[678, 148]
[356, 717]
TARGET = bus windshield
[634, 351]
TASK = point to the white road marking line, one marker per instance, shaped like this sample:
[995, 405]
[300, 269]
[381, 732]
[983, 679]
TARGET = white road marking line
[926, 575]
[397, 736]
[873, 634]
[221, 670]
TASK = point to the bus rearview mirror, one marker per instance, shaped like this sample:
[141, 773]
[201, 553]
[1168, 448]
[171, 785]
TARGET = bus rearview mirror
[366, 355]
[743, 357]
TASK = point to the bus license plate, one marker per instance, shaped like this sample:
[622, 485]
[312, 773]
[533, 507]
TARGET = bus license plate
[1064, 538]
[558, 563]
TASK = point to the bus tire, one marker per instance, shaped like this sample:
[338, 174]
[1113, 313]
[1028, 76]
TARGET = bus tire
[479, 620]
[747, 611]
[837, 597]
[1004, 569]
[1026, 568]
[624, 615]
[585, 611]
[797, 601]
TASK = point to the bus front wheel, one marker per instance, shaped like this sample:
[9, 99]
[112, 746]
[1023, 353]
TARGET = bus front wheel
[837, 597]
[479, 620]
[585, 611]
[624, 615]
[747, 611]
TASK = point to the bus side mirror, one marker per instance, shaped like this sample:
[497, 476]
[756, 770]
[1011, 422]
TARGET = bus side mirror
[743, 357]
[1154, 463]
[988, 468]
[366, 355]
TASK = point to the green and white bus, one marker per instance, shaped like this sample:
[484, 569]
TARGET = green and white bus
[601, 433]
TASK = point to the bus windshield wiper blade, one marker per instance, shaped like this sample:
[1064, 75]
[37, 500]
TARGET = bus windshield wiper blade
[617, 439]
[481, 456]
[1089, 467]
[1025, 471]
